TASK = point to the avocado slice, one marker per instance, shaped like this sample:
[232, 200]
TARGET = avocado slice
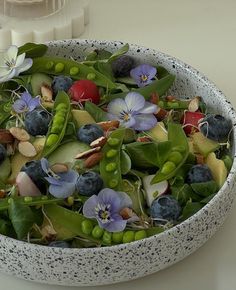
[204, 145]
[66, 153]
[159, 132]
[82, 117]
[218, 168]
[37, 81]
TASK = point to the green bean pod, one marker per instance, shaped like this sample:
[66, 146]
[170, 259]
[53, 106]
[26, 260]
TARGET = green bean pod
[110, 169]
[56, 66]
[57, 128]
[177, 157]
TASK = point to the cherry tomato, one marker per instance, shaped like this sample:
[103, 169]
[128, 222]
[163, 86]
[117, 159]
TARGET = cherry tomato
[84, 90]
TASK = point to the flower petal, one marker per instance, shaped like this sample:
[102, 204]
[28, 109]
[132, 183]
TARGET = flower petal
[127, 124]
[19, 106]
[148, 108]
[108, 196]
[117, 106]
[26, 97]
[62, 191]
[134, 101]
[53, 180]
[69, 176]
[11, 53]
[44, 165]
[143, 74]
[117, 225]
[89, 206]
[20, 59]
[4, 71]
[25, 66]
[125, 200]
[144, 122]
[149, 70]
[34, 103]
[9, 76]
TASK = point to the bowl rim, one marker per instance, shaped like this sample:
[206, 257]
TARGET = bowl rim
[227, 186]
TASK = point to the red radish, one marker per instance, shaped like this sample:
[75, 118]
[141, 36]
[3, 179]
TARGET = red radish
[84, 90]
[26, 186]
[190, 121]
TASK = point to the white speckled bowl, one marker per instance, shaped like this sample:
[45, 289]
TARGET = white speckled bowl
[97, 266]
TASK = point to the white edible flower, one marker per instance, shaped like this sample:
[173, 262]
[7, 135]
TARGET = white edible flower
[11, 64]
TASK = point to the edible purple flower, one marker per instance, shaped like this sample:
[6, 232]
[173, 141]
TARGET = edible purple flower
[62, 184]
[106, 207]
[143, 74]
[12, 64]
[26, 103]
[133, 112]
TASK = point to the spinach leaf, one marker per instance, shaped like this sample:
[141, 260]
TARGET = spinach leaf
[161, 72]
[5, 227]
[184, 193]
[105, 69]
[208, 198]
[205, 188]
[32, 49]
[124, 49]
[98, 54]
[21, 217]
[97, 113]
[190, 209]
[148, 154]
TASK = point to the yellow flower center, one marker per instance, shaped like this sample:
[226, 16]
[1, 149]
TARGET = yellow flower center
[126, 117]
[144, 78]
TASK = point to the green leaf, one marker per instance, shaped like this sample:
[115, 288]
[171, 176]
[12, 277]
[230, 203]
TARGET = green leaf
[161, 72]
[125, 162]
[5, 227]
[98, 54]
[22, 218]
[205, 188]
[184, 193]
[33, 50]
[97, 113]
[190, 209]
[105, 69]
[159, 86]
[124, 49]
[208, 198]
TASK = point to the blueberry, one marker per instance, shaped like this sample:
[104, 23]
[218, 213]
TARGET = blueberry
[199, 173]
[37, 121]
[90, 132]
[166, 207]
[215, 127]
[3, 153]
[61, 83]
[59, 244]
[36, 173]
[122, 66]
[89, 183]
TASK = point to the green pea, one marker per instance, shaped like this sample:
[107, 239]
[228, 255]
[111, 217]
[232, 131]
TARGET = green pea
[107, 237]
[117, 237]
[113, 141]
[58, 120]
[74, 71]
[87, 227]
[56, 129]
[61, 106]
[113, 183]
[28, 198]
[128, 237]
[59, 67]
[173, 105]
[175, 157]
[61, 113]
[111, 167]
[161, 104]
[111, 153]
[139, 235]
[91, 76]
[97, 232]
[10, 200]
[70, 200]
[179, 148]
[49, 65]
[51, 140]
[44, 197]
[168, 167]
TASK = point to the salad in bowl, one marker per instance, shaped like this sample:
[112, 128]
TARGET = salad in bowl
[97, 153]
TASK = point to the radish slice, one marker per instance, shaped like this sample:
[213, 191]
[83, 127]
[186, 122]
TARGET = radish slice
[153, 191]
[26, 186]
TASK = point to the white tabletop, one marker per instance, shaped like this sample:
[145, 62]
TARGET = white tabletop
[203, 34]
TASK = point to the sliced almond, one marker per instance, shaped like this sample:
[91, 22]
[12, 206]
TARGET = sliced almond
[27, 149]
[194, 104]
[108, 125]
[87, 153]
[170, 98]
[100, 142]
[93, 160]
[19, 133]
[126, 213]
[59, 168]
[5, 136]
[46, 92]
[161, 114]
[144, 139]
[2, 193]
